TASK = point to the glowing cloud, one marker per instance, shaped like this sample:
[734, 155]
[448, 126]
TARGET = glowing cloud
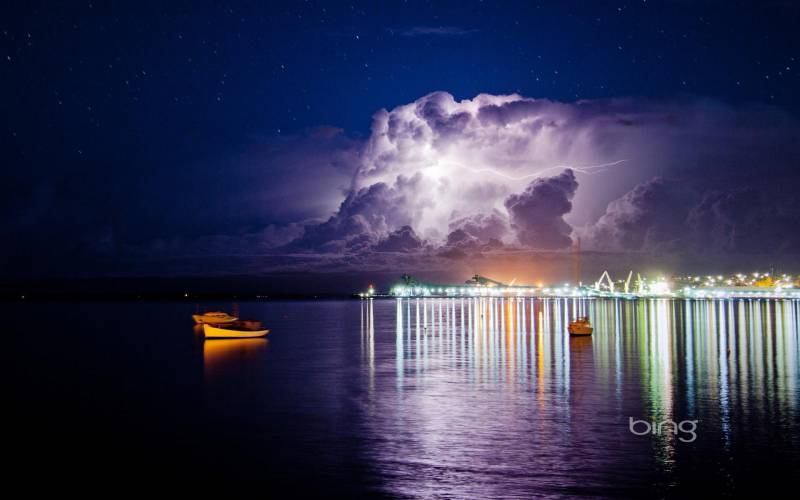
[436, 161]
[505, 169]
[537, 213]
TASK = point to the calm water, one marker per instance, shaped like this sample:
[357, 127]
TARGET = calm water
[415, 398]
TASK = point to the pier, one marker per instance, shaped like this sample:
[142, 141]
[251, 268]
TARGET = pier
[753, 286]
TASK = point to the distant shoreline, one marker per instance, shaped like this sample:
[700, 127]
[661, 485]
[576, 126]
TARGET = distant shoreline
[284, 286]
[247, 297]
[163, 297]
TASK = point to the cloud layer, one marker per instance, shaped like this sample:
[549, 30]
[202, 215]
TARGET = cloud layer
[440, 181]
[508, 173]
[474, 167]
[537, 214]
[664, 216]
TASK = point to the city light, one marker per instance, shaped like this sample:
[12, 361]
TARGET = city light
[739, 285]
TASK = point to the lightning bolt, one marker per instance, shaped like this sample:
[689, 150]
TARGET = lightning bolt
[584, 169]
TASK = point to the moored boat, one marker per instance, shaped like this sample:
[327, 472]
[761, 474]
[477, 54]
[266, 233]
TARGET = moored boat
[214, 318]
[580, 326]
[236, 330]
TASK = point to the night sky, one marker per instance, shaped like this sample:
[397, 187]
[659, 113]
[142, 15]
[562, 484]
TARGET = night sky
[192, 138]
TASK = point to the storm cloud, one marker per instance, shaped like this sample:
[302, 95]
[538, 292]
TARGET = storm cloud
[745, 220]
[401, 240]
[440, 179]
[649, 217]
[478, 228]
[537, 214]
[671, 216]
[506, 169]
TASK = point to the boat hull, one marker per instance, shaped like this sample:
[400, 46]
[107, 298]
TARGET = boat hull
[213, 332]
[580, 327]
[201, 319]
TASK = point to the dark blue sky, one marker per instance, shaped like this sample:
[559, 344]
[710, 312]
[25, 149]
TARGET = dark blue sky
[199, 76]
[109, 108]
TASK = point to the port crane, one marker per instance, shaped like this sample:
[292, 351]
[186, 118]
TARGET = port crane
[599, 282]
[609, 283]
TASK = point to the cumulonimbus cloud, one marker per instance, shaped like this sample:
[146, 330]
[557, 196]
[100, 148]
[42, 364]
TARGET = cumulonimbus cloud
[441, 178]
[667, 216]
[438, 165]
[507, 169]
[537, 213]
[650, 216]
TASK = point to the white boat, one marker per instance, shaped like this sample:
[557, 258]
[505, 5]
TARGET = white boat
[214, 318]
[238, 330]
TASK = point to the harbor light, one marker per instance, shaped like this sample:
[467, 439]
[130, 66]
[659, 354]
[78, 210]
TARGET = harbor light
[691, 286]
[659, 288]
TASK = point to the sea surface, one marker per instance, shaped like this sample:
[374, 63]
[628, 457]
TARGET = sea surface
[448, 398]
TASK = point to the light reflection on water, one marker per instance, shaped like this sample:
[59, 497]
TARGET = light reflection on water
[490, 397]
[418, 398]
[220, 355]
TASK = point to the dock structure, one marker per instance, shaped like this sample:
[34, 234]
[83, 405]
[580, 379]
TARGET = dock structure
[604, 287]
[481, 286]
